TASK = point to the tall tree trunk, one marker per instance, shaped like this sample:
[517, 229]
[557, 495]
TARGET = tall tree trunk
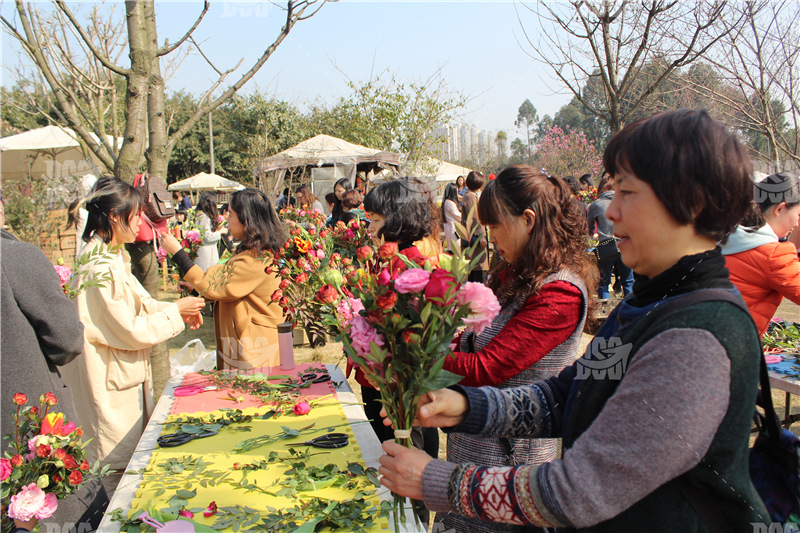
[156, 154]
[127, 164]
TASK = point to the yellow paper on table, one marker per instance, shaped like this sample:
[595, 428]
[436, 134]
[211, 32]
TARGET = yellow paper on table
[211, 468]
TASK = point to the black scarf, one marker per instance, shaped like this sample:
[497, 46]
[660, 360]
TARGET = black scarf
[705, 270]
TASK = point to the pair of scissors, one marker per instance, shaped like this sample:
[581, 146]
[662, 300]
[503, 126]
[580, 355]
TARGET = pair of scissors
[191, 390]
[170, 440]
[313, 377]
[329, 440]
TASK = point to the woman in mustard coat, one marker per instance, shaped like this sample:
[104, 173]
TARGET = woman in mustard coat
[245, 317]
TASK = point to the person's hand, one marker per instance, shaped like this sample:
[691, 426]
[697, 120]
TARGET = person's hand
[194, 321]
[29, 525]
[402, 469]
[190, 305]
[223, 231]
[169, 242]
[443, 408]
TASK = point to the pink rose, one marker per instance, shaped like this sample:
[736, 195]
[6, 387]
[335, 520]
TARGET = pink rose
[186, 513]
[301, 408]
[412, 280]
[361, 334]
[349, 235]
[193, 236]
[320, 254]
[64, 274]
[31, 502]
[348, 307]
[483, 305]
[440, 283]
[5, 469]
[384, 277]
[161, 254]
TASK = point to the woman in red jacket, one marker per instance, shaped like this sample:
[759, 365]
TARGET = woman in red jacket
[764, 269]
[544, 282]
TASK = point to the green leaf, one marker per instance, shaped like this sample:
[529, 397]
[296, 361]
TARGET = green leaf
[440, 380]
[186, 493]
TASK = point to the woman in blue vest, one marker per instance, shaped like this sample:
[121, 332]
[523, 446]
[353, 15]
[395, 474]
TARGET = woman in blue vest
[662, 401]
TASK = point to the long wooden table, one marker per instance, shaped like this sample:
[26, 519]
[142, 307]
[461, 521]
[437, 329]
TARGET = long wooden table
[367, 441]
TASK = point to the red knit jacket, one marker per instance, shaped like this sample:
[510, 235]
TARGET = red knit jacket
[546, 320]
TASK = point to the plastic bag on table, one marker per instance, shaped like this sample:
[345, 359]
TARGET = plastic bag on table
[191, 358]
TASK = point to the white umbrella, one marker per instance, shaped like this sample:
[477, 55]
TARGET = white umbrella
[206, 182]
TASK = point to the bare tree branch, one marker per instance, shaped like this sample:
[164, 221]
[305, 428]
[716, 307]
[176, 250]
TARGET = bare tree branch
[166, 49]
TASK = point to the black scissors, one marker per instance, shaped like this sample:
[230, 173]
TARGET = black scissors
[171, 440]
[313, 377]
[330, 440]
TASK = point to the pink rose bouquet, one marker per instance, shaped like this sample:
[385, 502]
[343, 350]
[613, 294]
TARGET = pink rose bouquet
[54, 466]
[398, 325]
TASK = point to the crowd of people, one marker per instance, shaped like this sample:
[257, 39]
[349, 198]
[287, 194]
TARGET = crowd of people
[671, 409]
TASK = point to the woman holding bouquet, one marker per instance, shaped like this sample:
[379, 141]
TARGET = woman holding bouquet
[658, 410]
[544, 281]
[245, 317]
[112, 382]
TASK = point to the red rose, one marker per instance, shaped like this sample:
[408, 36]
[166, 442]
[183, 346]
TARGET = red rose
[312, 231]
[237, 466]
[283, 302]
[34, 410]
[285, 272]
[441, 280]
[375, 316]
[327, 294]
[323, 234]
[75, 477]
[364, 253]
[211, 510]
[301, 278]
[43, 450]
[346, 261]
[387, 250]
[387, 300]
[284, 284]
[60, 454]
[276, 295]
[267, 270]
[20, 398]
[17, 460]
[78, 432]
[57, 478]
[50, 399]
[70, 463]
[335, 256]
[410, 338]
[84, 465]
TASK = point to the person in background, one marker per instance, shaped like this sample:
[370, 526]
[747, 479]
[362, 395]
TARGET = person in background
[226, 241]
[543, 281]
[121, 323]
[605, 230]
[306, 198]
[177, 226]
[41, 332]
[330, 201]
[474, 229]
[461, 188]
[208, 225]
[286, 200]
[339, 188]
[669, 420]
[575, 187]
[351, 206]
[183, 202]
[450, 215]
[764, 269]
[586, 181]
[143, 254]
[245, 317]
[86, 184]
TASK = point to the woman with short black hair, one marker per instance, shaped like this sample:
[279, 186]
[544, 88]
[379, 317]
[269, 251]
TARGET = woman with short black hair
[660, 406]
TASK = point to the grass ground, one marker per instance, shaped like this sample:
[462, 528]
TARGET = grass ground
[332, 353]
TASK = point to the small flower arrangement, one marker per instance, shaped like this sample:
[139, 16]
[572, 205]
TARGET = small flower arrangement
[352, 240]
[46, 461]
[73, 282]
[398, 321]
[588, 195]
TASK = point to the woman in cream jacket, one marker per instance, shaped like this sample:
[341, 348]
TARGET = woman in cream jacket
[112, 382]
[245, 317]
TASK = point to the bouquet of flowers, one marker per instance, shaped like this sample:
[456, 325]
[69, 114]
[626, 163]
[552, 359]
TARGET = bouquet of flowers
[45, 463]
[398, 323]
[73, 282]
[588, 195]
[352, 241]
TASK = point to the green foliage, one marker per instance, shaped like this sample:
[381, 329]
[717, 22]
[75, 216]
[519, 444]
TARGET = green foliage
[783, 336]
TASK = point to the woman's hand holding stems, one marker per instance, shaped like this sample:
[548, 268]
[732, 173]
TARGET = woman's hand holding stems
[189, 306]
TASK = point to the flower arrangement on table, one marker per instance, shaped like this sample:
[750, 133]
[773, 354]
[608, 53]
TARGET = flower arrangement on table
[45, 461]
[398, 324]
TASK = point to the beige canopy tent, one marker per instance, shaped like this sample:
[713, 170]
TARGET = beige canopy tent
[437, 173]
[321, 161]
[50, 151]
[206, 182]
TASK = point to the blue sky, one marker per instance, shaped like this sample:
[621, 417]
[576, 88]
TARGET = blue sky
[473, 42]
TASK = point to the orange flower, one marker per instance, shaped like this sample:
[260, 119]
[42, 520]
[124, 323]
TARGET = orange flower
[303, 245]
[51, 425]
